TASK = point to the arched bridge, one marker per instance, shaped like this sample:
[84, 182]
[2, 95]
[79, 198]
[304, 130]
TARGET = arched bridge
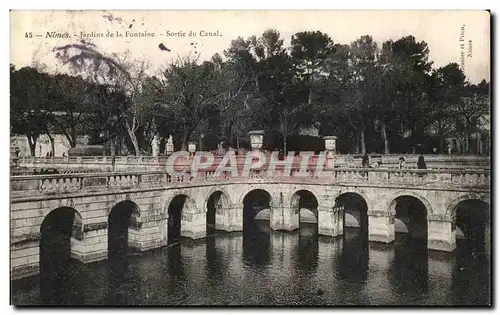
[92, 210]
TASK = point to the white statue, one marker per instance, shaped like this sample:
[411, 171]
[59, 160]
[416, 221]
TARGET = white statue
[169, 147]
[155, 145]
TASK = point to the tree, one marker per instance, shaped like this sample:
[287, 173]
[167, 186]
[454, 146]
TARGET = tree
[283, 95]
[187, 93]
[361, 90]
[472, 107]
[447, 88]
[310, 51]
[124, 75]
[239, 89]
[28, 103]
[410, 61]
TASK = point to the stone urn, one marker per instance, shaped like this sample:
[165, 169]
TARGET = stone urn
[256, 137]
[330, 146]
[191, 147]
[330, 143]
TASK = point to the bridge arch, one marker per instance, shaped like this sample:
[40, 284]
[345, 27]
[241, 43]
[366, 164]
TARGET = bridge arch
[411, 211]
[355, 207]
[305, 203]
[355, 191]
[264, 188]
[452, 206]
[122, 226]
[225, 195]
[471, 217]
[216, 203]
[391, 205]
[60, 231]
[254, 202]
[177, 206]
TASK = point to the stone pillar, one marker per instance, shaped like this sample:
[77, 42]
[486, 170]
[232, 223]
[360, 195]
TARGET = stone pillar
[441, 233]
[92, 244]
[381, 226]
[256, 137]
[229, 219]
[331, 221]
[284, 218]
[330, 147]
[191, 148]
[256, 141]
[148, 233]
[193, 223]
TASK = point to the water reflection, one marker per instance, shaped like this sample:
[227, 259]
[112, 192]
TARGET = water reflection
[353, 266]
[264, 267]
[409, 268]
[307, 248]
[116, 279]
[472, 272]
[256, 244]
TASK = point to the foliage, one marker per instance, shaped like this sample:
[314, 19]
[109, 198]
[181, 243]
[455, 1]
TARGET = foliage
[376, 97]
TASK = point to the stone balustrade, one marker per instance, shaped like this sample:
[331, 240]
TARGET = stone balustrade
[22, 186]
[146, 163]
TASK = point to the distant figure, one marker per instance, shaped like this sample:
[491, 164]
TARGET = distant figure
[434, 150]
[421, 163]
[113, 160]
[365, 162]
[64, 154]
[48, 154]
[402, 162]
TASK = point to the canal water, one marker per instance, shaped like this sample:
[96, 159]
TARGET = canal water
[265, 267]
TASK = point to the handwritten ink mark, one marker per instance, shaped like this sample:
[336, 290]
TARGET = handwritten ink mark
[163, 47]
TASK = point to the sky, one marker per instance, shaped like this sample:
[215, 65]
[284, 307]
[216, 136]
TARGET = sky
[444, 32]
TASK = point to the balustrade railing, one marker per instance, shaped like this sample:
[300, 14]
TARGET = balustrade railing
[341, 160]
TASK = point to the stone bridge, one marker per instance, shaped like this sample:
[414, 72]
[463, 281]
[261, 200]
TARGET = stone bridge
[150, 200]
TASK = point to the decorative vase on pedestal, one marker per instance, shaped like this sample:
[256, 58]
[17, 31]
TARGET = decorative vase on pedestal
[191, 147]
[330, 147]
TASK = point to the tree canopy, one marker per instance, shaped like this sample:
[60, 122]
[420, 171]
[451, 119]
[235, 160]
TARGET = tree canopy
[376, 97]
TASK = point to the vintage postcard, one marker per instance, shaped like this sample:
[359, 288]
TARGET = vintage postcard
[250, 158]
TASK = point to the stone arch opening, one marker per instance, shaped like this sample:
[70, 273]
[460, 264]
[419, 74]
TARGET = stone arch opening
[256, 205]
[472, 221]
[355, 211]
[410, 217]
[256, 233]
[122, 228]
[175, 212]
[217, 202]
[60, 233]
[305, 203]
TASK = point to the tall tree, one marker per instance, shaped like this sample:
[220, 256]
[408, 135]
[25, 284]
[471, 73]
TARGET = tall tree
[29, 102]
[188, 94]
[447, 90]
[412, 67]
[122, 73]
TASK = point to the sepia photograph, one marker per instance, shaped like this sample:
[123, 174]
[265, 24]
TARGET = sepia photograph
[250, 158]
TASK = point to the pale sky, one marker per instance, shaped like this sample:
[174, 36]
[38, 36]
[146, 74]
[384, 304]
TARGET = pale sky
[442, 30]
